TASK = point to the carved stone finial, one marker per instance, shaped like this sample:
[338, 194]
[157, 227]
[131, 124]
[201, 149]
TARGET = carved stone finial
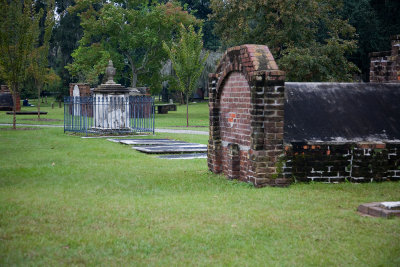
[110, 72]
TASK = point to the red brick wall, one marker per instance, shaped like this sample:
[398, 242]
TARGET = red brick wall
[246, 116]
[84, 89]
[235, 120]
[385, 65]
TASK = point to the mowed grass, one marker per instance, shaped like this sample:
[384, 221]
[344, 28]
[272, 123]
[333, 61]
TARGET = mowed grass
[198, 117]
[54, 116]
[71, 201]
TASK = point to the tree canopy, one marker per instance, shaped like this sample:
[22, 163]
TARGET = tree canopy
[64, 40]
[19, 33]
[375, 21]
[39, 69]
[131, 34]
[308, 38]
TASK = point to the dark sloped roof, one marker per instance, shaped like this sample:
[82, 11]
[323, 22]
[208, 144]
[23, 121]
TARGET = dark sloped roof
[342, 112]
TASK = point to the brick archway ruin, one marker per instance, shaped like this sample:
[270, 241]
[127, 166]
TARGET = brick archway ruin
[246, 116]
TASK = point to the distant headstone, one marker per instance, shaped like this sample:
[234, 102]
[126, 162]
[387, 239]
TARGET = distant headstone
[75, 93]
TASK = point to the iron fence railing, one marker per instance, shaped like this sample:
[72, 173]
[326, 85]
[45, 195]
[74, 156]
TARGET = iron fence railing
[117, 114]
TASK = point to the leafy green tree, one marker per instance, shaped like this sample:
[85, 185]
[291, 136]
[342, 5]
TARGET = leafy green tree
[66, 33]
[38, 68]
[187, 61]
[308, 38]
[375, 21]
[19, 31]
[131, 34]
[201, 9]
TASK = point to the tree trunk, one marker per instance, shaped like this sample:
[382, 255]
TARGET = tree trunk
[182, 98]
[134, 79]
[38, 104]
[133, 70]
[187, 110]
[14, 96]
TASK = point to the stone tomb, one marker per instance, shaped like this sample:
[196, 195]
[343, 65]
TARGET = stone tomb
[268, 132]
[112, 107]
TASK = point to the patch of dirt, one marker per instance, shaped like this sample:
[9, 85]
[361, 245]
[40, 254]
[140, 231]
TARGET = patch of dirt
[40, 119]
[19, 128]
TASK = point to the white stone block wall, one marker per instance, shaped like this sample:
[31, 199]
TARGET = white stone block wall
[111, 112]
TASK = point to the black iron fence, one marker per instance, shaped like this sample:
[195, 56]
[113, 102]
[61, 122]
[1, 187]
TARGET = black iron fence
[117, 114]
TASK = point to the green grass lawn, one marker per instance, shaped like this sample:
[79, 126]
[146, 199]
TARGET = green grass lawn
[198, 116]
[53, 116]
[71, 201]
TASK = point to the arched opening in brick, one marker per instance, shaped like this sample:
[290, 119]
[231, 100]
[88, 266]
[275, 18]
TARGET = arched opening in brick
[246, 113]
[235, 104]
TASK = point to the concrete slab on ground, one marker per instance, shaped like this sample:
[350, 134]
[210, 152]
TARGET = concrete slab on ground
[107, 136]
[146, 142]
[379, 209]
[134, 140]
[170, 149]
[185, 156]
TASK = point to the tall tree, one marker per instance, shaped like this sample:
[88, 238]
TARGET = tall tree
[64, 40]
[129, 32]
[375, 21]
[187, 61]
[201, 9]
[19, 31]
[38, 68]
[308, 38]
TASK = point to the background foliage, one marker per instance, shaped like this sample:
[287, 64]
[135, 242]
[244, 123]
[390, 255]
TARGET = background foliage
[311, 58]
[308, 38]
[130, 33]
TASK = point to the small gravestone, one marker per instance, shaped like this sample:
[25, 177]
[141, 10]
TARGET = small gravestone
[75, 93]
[380, 209]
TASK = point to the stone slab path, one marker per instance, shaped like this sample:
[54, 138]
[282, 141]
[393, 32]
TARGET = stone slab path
[163, 146]
[169, 149]
[147, 142]
[185, 156]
